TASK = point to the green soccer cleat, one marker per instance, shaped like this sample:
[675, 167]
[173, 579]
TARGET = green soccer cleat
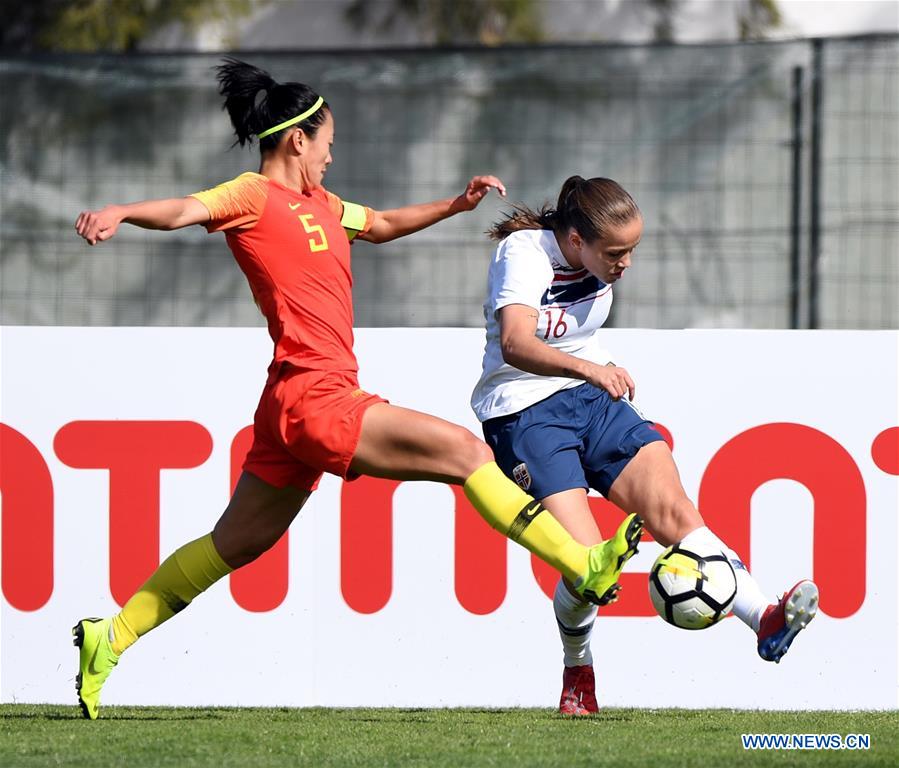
[605, 561]
[96, 661]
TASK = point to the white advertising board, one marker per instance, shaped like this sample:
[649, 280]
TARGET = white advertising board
[118, 445]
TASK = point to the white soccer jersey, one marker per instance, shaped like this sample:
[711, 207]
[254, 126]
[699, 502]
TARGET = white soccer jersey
[572, 304]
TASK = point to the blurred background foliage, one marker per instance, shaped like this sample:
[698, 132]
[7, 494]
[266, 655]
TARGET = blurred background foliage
[92, 26]
[104, 25]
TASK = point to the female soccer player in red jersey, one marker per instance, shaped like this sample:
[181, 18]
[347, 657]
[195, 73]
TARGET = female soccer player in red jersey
[291, 238]
[558, 413]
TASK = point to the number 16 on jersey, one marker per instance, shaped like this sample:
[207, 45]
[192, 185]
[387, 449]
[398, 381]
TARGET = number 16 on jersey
[555, 323]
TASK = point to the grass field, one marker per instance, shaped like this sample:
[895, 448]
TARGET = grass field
[32, 735]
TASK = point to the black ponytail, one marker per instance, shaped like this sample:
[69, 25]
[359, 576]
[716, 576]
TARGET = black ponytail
[256, 102]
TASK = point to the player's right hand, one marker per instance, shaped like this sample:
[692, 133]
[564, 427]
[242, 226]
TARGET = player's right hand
[614, 380]
[96, 226]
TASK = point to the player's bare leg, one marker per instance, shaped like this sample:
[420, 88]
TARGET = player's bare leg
[650, 486]
[403, 444]
[256, 517]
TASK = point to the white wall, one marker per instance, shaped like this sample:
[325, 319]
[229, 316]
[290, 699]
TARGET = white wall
[711, 389]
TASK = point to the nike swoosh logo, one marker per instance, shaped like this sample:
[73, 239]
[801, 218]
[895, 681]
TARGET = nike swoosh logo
[90, 665]
[524, 518]
[293, 206]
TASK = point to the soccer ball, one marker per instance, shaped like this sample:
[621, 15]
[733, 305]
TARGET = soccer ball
[692, 588]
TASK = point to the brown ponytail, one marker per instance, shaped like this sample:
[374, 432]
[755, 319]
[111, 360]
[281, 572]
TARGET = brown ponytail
[589, 206]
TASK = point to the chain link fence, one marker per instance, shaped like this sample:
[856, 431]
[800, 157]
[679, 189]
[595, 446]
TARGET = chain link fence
[768, 203]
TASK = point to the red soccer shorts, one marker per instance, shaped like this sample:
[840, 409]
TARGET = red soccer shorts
[307, 423]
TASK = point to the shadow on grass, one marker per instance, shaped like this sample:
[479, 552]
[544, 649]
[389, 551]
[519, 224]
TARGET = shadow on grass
[386, 716]
[40, 716]
[423, 715]
[162, 717]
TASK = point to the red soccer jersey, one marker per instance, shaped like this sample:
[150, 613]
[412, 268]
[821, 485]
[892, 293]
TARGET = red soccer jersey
[295, 254]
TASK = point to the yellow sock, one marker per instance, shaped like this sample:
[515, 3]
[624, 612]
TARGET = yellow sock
[186, 573]
[517, 515]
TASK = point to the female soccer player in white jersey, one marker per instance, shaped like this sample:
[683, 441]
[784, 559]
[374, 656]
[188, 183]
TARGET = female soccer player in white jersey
[558, 412]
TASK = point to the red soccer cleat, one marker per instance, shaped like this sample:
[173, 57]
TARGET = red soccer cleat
[782, 622]
[578, 691]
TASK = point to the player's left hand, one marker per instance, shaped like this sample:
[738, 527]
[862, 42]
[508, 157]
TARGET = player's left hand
[476, 190]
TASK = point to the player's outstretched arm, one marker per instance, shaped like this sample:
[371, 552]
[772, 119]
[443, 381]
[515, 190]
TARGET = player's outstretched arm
[171, 213]
[389, 225]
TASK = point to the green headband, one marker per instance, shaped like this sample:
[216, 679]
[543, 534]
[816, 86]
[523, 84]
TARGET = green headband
[280, 126]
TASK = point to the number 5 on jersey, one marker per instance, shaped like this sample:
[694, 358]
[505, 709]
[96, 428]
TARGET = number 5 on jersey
[318, 242]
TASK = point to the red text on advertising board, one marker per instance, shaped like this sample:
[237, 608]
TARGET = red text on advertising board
[134, 453]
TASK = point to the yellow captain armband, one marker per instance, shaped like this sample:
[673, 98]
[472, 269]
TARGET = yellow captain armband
[353, 219]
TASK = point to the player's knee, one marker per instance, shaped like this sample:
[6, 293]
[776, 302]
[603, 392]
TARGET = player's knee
[676, 518]
[242, 549]
[470, 452]
[479, 453]
[251, 548]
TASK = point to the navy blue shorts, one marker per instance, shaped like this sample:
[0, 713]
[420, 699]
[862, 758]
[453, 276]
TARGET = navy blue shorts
[576, 438]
